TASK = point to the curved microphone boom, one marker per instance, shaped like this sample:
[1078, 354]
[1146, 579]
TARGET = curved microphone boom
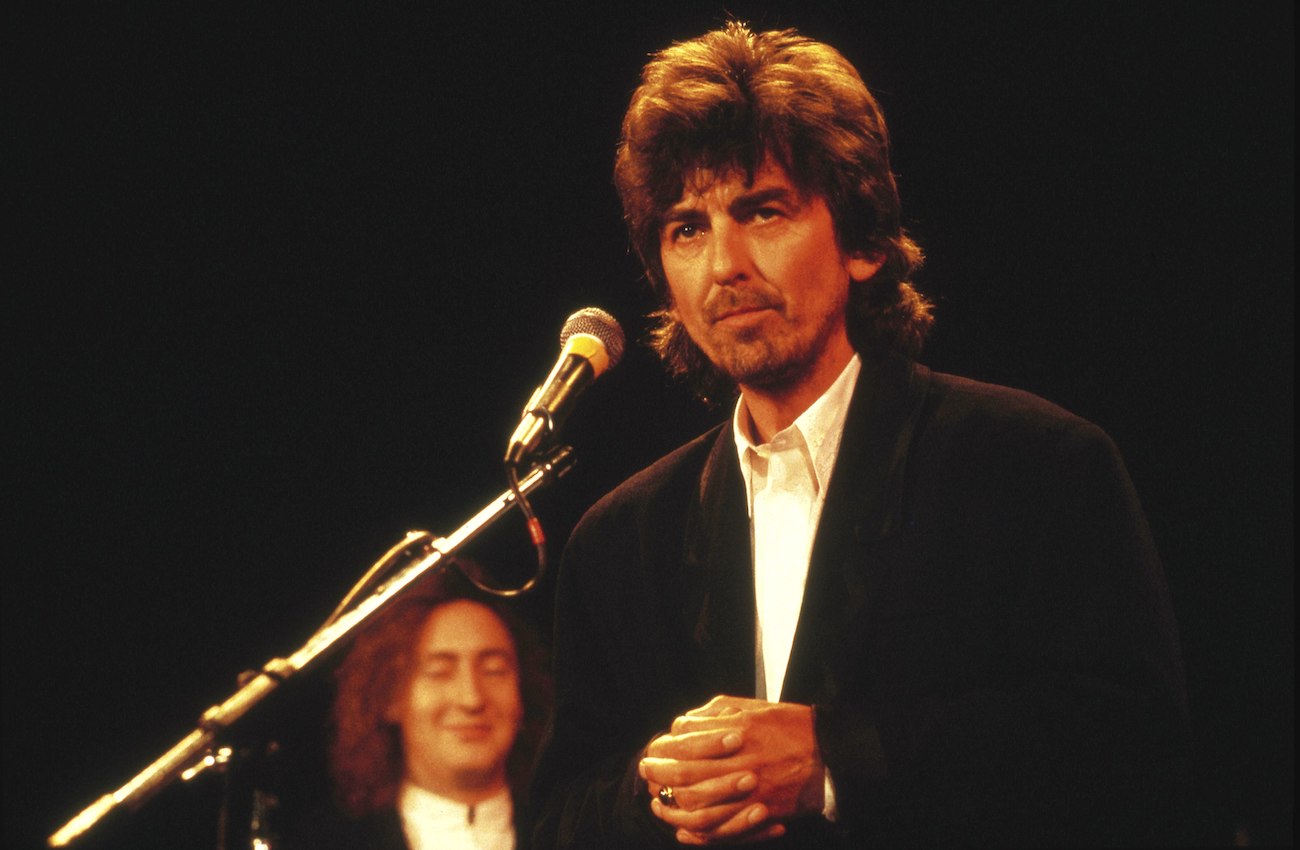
[591, 344]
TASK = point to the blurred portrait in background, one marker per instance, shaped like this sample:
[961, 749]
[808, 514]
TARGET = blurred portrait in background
[440, 706]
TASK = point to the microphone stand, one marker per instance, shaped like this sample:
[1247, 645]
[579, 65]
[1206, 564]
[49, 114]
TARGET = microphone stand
[221, 717]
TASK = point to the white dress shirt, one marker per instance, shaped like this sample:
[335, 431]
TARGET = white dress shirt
[431, 822]
[786, 480]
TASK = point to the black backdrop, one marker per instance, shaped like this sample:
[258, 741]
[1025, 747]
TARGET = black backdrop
[281, 280]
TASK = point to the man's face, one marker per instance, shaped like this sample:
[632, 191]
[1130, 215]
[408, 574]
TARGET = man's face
[462, 709]
[757, 277]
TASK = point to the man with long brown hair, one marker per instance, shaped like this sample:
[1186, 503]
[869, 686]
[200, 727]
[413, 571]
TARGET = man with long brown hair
[881, 605]
[440, 705]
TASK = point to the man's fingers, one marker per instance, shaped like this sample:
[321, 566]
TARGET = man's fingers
[704, 744]
[767, 833]
[717, 706]
[693, 723]
[700, 821]
[716, 791]
[723, 704]
[681, 774]
[748, 823]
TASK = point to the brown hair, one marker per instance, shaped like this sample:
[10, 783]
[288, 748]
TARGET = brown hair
[727, 100]
[366, 751]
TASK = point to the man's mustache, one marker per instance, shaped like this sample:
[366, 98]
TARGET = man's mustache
[725, 302]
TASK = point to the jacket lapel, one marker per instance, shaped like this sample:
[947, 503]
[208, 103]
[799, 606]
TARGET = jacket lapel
[863, 507]
[718, 605]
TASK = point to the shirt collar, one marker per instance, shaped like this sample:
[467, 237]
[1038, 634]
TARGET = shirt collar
[818, 429]
[434, 808]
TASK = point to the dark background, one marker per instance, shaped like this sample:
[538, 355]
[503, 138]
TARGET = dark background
[280, 281]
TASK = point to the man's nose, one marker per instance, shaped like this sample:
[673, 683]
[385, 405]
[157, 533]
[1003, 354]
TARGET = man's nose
[729, 255]
[468, 690]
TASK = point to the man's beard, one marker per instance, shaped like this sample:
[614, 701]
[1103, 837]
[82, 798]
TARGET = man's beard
[759, 360]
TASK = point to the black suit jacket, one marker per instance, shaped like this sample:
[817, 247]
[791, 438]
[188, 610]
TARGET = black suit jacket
[986, 636]
[331, 829]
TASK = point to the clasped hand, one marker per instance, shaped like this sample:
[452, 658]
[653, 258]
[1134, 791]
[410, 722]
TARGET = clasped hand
[738, 769]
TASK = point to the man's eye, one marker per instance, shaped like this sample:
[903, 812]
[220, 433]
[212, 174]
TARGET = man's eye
[684, 232]
[766, 213]
[497, 668]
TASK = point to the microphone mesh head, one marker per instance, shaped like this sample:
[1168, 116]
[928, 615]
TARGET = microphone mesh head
[601, 325]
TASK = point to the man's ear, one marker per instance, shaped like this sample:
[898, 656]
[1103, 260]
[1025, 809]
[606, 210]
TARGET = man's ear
[863, 266]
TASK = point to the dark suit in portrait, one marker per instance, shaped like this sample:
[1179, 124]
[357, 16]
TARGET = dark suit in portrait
[985, 636]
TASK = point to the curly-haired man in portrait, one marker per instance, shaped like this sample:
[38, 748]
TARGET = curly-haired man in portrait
[440, 705]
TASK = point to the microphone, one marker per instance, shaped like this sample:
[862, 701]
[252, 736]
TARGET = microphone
[591, 344]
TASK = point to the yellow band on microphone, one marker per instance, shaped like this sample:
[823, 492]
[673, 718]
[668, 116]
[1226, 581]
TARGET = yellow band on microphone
[590, 349]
